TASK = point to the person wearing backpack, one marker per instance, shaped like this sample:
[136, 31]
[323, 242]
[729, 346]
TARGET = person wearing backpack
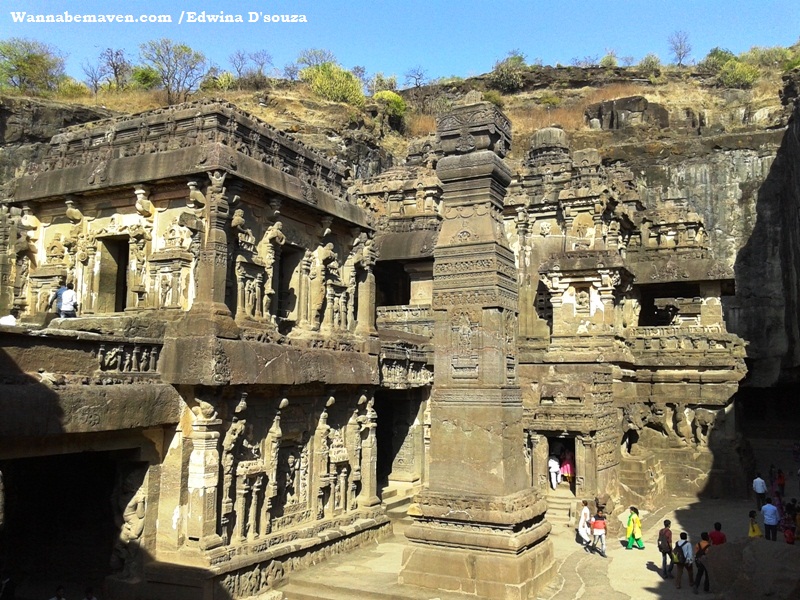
[700, 551]
[665, 547]
[684, 557]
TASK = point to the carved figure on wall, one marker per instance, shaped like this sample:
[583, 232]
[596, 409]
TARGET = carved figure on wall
[230, 450]
[704, 422]
[55, 250]
[324, 270]
[129, 512]
[275, 239]
[165, 287]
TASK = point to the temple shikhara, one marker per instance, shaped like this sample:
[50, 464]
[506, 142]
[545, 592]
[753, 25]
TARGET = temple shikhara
[268, 349]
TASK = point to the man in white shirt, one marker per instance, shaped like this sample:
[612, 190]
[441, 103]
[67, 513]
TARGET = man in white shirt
[760, 488]
[69, 302]
[10, 319]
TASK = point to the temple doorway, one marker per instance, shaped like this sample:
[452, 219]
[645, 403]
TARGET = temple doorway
[561, 456]
[400, 440]
[59, 526]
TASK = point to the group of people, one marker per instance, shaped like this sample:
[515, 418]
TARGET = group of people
[65, 300]
[561, 467]
[776, 513]
[592, 530]
[686, 556]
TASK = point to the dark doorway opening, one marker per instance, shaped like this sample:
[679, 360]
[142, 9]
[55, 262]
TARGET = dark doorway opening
[399, 436]
[112, 291]
[563, 450]
[59, 525]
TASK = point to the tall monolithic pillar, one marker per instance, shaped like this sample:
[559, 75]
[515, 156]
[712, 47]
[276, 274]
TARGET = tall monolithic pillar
[479, 527]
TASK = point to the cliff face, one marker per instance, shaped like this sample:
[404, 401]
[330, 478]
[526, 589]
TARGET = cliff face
[26, 124]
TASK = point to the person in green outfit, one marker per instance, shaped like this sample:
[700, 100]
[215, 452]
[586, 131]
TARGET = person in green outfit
[634, 529]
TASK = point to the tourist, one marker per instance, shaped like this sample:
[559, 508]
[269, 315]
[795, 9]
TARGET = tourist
[700, 551]
[584, 530]
[754, 530]
[55, 298]
[89, 594]
[760, 488]
[69, 303]
[684, 557]
[634, 529]
[599, 531]
[567, 468]
[771, 519]
[553, 467]
[780, 482]
[59, 593]
[664, 545]
[716, 536]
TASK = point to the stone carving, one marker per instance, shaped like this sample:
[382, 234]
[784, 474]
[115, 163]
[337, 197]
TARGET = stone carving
[129, 504]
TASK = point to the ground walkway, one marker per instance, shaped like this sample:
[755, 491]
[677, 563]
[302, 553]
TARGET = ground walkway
[371, 573]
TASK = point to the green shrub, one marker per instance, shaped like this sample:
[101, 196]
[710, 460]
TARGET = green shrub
[609, 61]
[650, 65]
[334, 83]
[508, 75]
[145, 78]
[549, 101]
[735, 74]
[716, 59]
[71, 88]
[792, 63]
[395, 105]
[765, 58]
[494, 97]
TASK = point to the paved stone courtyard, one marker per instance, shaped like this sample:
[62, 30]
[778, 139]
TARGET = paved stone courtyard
[372, 572]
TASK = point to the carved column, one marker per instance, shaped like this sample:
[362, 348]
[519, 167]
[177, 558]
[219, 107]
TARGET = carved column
[365, 321]
[369, 458]
[201, 522]
[585, 465]
[213, 261]
[480, 527]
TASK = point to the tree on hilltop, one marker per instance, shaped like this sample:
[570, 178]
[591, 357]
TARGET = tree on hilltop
[179, 68]
[679, 46]
[30, 66]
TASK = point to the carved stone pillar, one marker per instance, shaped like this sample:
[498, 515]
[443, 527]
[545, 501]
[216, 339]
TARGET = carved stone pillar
[201, 522]
[586, 466]
[481, 527]
[369, 458]
[365, 321]
[303, 294]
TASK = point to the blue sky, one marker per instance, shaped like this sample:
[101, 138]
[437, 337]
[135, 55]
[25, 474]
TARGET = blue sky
[445, 37]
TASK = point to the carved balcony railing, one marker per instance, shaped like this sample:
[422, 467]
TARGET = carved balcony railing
[705, 345]
[411, 318]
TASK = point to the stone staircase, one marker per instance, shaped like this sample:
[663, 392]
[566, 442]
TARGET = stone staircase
[561, 507]
[396, 498]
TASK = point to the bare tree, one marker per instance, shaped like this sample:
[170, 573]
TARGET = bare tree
[117, 66]
[95, 75]
[239, 60]
[180, 68]
[291, 71]
[261, 59]
[416, 76]
[679, 46]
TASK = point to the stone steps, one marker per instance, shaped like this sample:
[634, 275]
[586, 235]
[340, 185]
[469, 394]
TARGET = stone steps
[560, 508]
